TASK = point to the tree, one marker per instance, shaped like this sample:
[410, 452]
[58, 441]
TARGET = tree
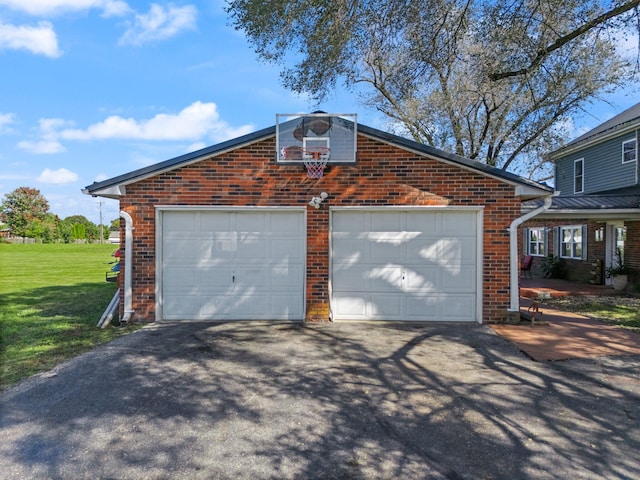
[81, 228]
[24, 210]
[491, 80]
[115, 225]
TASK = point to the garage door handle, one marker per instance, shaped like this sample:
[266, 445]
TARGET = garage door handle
[233, 279]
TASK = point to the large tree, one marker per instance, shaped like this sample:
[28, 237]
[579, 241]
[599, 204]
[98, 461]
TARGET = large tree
[23, 210]
[491, 80]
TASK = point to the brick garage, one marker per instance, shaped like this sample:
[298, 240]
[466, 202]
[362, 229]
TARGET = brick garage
[391, 173]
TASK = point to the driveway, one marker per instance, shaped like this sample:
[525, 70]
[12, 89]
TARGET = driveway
[331, 401]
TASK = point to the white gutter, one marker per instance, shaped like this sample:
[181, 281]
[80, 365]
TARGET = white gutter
[513, 251]
[128, 255]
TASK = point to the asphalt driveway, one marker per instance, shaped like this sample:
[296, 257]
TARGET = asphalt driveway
[331, 401]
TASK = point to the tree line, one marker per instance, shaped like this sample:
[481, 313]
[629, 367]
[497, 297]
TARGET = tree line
[25, 212]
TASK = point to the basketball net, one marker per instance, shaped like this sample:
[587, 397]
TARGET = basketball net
[315, 161]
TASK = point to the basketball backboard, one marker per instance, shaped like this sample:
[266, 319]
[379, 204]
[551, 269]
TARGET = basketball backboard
[329, 137]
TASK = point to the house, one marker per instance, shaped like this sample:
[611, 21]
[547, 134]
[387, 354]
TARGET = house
[390, 230]
[597, 211]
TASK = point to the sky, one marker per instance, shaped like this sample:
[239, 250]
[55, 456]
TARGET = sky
[92, 89]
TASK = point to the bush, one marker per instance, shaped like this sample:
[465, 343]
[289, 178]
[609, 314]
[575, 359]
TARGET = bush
[551, 267]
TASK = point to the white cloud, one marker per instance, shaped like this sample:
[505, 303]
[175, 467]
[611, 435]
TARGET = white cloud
[198, 120]
[40, 40]
[48, 144]
[4, 176]
[54, 7]
[6, 119]
[42, 147]
[160, 23]
[62, 175]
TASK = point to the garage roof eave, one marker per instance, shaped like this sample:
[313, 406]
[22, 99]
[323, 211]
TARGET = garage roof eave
[526, 192]
[114, 192]
[631, 214]
[525, 188]
[111, 186]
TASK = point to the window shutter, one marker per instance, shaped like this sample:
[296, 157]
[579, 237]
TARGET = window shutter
[525, 241]
[584, 242]
[556, 241]
[546, 241]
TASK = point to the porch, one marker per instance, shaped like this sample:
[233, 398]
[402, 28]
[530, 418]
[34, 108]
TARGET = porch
[552, 287]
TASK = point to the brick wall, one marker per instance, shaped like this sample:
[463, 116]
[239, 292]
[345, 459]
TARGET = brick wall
[384, 175]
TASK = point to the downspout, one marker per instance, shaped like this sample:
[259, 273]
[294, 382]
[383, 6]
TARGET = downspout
[513, 250]
[128, 255]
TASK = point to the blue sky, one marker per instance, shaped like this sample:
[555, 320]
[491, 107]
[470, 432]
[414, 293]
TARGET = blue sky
[91, 89]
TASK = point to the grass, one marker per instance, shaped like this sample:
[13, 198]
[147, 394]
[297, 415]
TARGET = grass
[622, 312]
[51, 298]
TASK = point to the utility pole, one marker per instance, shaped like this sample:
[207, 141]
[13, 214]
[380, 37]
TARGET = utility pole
[100, 202]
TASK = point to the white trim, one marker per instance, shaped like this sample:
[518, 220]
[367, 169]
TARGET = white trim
[409, 207]
[635, 150]
[542, 240]
[583, 241]
[632, 214]
[229, 208]
[160, 209]
[478, 209]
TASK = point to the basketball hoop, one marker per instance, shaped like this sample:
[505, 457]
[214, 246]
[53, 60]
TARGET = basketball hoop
[315, 161]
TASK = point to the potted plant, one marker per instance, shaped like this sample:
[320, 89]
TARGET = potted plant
[618, 272]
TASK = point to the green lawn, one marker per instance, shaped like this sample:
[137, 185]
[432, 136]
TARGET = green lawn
[621, 311]
[51, 298]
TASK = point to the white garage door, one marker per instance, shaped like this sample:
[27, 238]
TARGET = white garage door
[416, 265]
[232, 265]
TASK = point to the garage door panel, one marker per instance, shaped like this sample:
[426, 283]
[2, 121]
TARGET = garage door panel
[385, 222]
[383, 306]
[219, 223]
[346, 249]
[405, 265]
[348, 223]
[385, 247]
[425, 307]
[280, 223]
[457, 224]
[181, 279]
[462, 280]
[289, 250]
[427, 224]
[366, 307]
[421, 277]
[444, 251]
[233, 265]
[459, 308]
[180, 223]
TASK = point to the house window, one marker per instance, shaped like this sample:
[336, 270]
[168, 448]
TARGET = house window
[629, 151]
[578, 176]
[571, 242]
[536, 240]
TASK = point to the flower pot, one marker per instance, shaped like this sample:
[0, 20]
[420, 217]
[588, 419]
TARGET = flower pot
[619, 282]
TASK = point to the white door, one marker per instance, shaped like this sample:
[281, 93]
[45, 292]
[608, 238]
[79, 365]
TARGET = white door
[232, 265]
[419, 265]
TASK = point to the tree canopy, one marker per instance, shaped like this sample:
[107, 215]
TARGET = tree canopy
[24, 210]
[491, 80]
